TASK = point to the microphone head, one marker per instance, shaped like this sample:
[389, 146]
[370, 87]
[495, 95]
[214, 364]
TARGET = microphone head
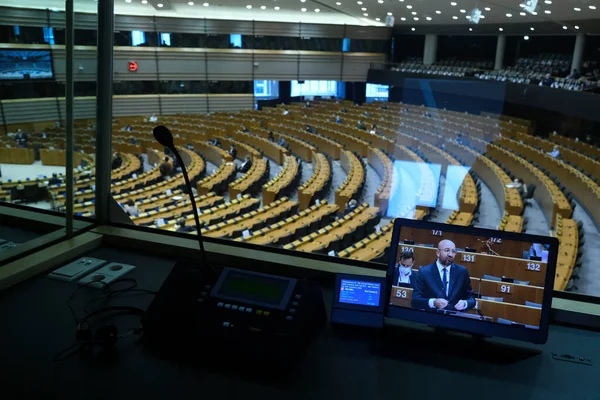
[163, 135]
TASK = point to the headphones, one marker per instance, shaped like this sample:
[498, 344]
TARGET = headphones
[107, 336]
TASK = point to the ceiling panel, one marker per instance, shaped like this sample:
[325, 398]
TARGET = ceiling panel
[427, 14]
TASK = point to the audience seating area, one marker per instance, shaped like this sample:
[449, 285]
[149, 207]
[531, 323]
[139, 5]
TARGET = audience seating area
[370, 139]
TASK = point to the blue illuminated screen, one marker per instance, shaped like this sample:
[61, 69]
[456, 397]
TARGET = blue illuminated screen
[360, 293]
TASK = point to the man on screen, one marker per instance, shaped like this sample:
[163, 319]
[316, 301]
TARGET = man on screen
[443, 285]
[403, 273]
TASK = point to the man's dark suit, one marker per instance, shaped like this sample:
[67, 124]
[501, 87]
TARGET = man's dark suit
[428, 285]
[412, 278]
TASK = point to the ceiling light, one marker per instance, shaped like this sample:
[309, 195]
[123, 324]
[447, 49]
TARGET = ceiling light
[409, 6]
[576, 27]
[428, 18]
[526, 37]
[438, 12]
[366, 15]
[159, 5]
[338, 4]
[482, 16]
[592, 7]
[470, 29]
[380, 1]
[487, 9]
[416, 18]
[263, 7]
[509, 15]
[413, 29]
[547, 11]
[277, 8]
[577, 9]
[302, 1]
[205, 4]
[129, 1]
[463, 11]
[414, 13]
[455, 17]
[389, 13]
[522, 14]
[364, 9]
[248, 6]
[534, 13]
[359, 3]
[403, 19]
[377, 19]
[144, 1]
[303, 9]
[548, 1]
[468, 17]
[501, 29]
[190, 3]
[565, 27]
[453, 4]
[317, 10]
[532, 29]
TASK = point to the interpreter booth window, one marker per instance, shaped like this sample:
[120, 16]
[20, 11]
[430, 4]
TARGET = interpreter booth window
[376, 92]
[266, 89]
[33, 153]
[314, 88]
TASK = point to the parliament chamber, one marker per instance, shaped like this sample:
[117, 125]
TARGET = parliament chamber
[303, 139]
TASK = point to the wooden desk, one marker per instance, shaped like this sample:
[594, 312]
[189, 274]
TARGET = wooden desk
[233, 228]
[215, 214]
[324, 144]
[283, 180]
[506, 248]
[382, 164]
[583, 188]
[356, 175]
[370, 247]
[549, 197]
[533, 272]
[510, 292]
[270, 149]
[178, 209]
[402, 297]
[335, 231]
[15, 155]
[287, 227]
[258, 173]
[321, 175]
[213, 183]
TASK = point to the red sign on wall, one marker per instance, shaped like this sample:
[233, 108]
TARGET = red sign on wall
[133, 66]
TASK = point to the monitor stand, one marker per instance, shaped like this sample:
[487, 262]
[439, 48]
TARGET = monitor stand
[420, 343]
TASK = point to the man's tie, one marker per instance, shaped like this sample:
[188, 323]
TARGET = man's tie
[445, 282]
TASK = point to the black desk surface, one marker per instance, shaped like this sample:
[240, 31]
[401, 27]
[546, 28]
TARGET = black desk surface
[36, 324]
[18, 235]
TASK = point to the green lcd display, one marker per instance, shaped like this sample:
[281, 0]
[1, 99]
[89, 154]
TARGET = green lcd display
[254, 288]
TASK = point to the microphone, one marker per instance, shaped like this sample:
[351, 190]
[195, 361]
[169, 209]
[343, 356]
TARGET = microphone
[163, 135]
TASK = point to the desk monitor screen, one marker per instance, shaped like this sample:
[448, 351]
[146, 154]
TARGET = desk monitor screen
[497, 290]
[361, 293]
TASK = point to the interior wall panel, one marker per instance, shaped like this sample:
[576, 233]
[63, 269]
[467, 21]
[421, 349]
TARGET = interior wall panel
[225, 65]
[47, 109]
[37, 17]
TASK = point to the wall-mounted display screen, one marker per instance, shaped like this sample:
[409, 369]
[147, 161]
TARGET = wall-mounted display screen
[25, 65]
